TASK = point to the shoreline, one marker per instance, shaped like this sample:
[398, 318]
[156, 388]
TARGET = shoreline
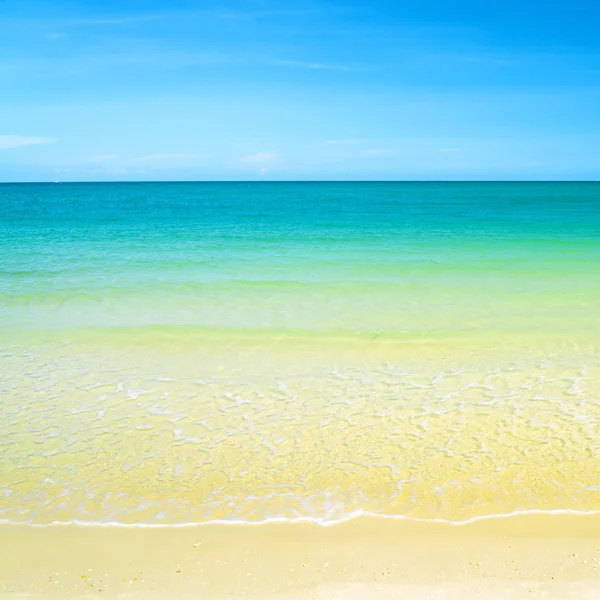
[517, 556]
[320, 522]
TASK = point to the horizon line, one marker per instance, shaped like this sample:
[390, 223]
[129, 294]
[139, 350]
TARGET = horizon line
[138, 181]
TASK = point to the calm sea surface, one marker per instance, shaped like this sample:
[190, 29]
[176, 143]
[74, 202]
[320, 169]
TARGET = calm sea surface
[186, 352]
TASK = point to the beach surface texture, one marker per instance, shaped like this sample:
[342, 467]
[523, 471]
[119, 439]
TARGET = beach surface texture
[300, 390]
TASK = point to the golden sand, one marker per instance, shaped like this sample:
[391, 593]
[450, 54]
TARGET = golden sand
[523, 556]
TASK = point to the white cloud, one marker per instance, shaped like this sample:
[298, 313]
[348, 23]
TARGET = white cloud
[109, 20]
[258, 14]
[17, 141]
[114, 20]
[261, 158]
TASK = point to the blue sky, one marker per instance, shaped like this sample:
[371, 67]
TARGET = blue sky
[249, 89]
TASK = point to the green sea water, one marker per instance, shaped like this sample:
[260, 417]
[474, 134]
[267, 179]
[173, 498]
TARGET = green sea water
[187, 352]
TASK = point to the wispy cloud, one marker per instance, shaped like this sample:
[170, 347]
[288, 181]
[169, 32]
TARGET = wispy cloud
[121, 20]
[260, 14]
[222, 14]
[261, 158]
[17, 141]
[312, 65]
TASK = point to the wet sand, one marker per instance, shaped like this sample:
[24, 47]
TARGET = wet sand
[522, 556]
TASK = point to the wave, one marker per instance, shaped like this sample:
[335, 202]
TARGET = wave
[322, 522]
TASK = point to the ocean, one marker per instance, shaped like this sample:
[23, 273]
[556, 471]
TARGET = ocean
[178, 353]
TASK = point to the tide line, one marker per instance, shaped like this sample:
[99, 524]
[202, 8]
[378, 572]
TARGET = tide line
[320, 521]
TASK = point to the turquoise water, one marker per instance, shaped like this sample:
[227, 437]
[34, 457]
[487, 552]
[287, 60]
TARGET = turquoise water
[181, 352]
[309, 256]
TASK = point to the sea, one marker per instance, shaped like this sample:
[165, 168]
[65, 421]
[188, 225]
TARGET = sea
[181, 353]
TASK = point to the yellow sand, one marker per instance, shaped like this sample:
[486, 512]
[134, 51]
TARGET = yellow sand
[526, 556]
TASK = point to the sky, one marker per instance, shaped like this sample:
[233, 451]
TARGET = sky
[116, 90]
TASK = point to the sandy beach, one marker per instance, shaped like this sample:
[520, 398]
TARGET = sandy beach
[521, 556]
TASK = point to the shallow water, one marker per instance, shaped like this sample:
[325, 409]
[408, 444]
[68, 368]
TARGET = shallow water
[177, 353]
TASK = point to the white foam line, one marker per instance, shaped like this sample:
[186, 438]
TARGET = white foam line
[317, 521]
